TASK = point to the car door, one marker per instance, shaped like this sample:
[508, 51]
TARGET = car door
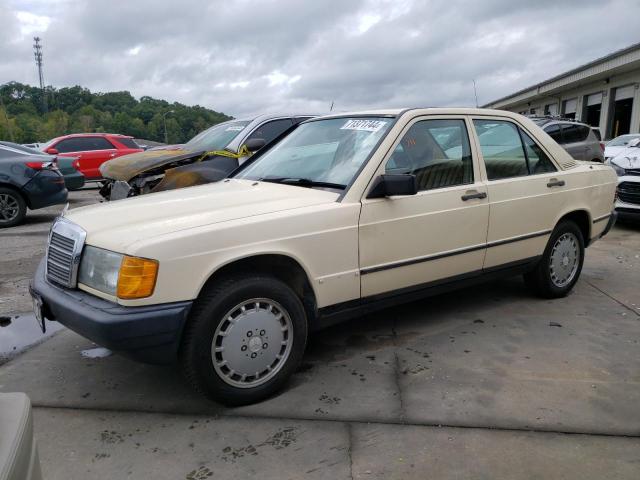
[525, 188]
[415, 241]
[97, 151]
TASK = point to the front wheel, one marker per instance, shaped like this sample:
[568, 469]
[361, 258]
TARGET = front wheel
[561, 264]
[245, 336]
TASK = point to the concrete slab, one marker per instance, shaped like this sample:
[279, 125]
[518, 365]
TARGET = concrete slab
[393, 451]
[350, 375]
[495, 356]
[92, 444]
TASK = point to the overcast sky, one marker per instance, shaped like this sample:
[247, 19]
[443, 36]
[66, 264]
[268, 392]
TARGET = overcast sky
[242, 57]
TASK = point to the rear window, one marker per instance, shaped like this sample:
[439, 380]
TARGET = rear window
[596, 132]
[128, 142]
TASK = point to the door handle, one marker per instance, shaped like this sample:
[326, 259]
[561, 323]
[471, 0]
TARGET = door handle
[112, 155]
[554, 182]
[471, 194]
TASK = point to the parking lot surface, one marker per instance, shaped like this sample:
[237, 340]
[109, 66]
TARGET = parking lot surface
[488, 382]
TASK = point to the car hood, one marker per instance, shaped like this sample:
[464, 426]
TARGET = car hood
[628, 158]
[128, 166]
[118, 225]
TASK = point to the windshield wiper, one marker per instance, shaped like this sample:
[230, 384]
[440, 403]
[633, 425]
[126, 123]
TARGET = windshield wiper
[302, 182]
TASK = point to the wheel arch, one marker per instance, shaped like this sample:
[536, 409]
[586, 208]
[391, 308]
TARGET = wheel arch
[582, 218]
[16, 189]
[282, 266]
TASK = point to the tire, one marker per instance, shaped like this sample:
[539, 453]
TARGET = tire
[13, 208]
[209, 329]
[559, 268]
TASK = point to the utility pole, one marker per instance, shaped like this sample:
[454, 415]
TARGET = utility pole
[164, 119]
[37, 53]
[475, 93]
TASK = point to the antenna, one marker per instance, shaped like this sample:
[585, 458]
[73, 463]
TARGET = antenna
[475, 93]
[331, 108]
[37, 53]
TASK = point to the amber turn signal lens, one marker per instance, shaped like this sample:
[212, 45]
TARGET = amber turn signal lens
[137, 277]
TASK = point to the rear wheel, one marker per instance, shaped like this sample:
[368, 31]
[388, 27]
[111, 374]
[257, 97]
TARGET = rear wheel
[244, 338]
[561, 264]
[13, 208]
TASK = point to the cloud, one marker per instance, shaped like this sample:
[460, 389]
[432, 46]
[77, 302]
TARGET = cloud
[243, 57]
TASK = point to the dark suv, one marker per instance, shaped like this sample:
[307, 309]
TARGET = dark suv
[578, 139]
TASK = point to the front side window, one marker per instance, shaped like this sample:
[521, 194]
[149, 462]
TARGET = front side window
[216, 137]
[502, 149]
[437, 152]
[327, 152]
[70, 145]
[509, 152]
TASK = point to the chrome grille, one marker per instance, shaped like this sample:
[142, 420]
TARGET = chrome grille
[63, 252]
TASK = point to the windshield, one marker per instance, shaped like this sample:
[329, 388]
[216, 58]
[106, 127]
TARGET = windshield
[327, 151]
[622, 140]
[216, 137]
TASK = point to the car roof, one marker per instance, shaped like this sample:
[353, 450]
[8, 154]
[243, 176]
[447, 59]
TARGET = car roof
[396, 112]
[234, 145]
[97, 134]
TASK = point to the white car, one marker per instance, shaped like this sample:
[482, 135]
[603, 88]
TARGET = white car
[613, 147]
[627, 166]
[348, 213]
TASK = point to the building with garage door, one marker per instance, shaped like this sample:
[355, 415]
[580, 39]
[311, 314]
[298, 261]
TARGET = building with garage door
[604, 93]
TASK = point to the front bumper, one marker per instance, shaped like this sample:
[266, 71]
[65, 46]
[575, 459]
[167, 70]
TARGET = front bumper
[150, 333]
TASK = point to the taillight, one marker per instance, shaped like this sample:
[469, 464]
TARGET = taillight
[35, 165]
[602, 146]
[42, 165]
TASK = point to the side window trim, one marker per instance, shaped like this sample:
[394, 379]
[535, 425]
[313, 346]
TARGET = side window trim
[465, 123]
[520, 129]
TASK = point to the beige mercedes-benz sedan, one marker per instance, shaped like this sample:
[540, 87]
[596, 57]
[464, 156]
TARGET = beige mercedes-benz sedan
[349, 213]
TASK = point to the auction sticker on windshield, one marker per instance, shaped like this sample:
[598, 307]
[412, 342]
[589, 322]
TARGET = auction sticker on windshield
[234, 128]
[364, 125]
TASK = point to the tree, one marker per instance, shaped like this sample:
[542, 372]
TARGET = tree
[77, 110]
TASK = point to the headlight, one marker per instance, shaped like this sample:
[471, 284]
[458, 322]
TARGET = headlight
[116, 274]
[618, 169]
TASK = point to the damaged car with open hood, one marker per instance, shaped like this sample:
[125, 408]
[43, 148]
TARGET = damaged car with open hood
[208, 157]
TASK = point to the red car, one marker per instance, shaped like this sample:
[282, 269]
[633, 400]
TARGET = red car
[91, 150]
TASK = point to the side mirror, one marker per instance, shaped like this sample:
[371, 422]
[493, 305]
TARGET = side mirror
[52, 151]
[255, 144]
[634, 143]
[394, 184]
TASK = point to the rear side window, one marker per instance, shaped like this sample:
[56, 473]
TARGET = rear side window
[437, 152]
[538, 161]
[509, 152]
[128, 142]
[271, 130]
[573, 133]
[502, 149]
